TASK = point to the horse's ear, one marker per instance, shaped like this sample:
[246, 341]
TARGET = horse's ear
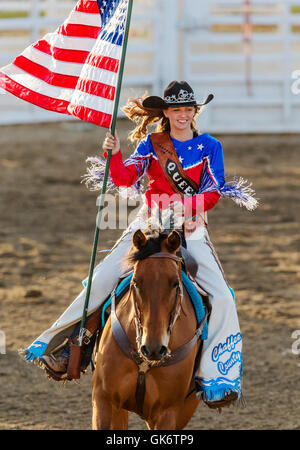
[173, 241]
[139, 239]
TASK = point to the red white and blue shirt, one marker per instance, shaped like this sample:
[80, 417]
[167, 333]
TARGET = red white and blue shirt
[201, 158]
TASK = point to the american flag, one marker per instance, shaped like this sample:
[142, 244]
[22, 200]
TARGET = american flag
[74, 70]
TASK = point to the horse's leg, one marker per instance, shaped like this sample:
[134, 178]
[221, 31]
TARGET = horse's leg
[175, 418]
[166, 420]
[186, 411]
[107, 417]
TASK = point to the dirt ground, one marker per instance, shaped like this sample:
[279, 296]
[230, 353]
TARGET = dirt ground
[46, 234]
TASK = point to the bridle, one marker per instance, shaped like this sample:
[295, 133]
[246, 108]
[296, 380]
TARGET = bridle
[172, 358]
[175, 313]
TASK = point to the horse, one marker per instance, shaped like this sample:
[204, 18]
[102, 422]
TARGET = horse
[147, 351]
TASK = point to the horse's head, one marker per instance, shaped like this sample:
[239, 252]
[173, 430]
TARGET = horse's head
[156, 290]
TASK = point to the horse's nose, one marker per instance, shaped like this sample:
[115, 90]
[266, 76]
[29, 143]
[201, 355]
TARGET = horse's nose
[154, 353]
[145, 351]
[163, 351]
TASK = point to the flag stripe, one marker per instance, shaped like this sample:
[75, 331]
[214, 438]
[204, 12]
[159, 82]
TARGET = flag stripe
[87, 6]
[41, 72]
[65, 81]
[69, 43]
[49, 63]
[78, 56]
[60, 54]
[79, 30]
[82, 98]
[41, 100]
[90, 115]
[35, 84]
[84, 44]
[96, 74]
[93, 102]
[84, 18]
[96, 88]
[101, 105]
[104, 62]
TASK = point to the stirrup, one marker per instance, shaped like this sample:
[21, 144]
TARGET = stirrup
[57, 376]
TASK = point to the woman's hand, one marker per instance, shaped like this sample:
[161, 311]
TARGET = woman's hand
[111, 143]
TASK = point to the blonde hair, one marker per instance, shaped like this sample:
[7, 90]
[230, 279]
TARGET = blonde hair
[145, 117]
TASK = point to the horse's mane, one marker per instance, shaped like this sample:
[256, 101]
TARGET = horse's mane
[153, 245]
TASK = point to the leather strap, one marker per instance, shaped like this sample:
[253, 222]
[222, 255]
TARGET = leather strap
[166, 255]
[181, 352]
[119, 333]
[171, 166]
[140, 392]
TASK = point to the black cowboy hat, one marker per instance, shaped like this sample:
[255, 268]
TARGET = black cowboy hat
[178, 93]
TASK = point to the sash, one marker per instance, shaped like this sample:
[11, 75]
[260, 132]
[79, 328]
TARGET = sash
[170, 164]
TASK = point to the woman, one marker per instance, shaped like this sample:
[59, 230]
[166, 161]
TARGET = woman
[199, 167]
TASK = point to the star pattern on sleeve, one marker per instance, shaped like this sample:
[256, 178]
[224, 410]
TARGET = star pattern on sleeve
[200, 147]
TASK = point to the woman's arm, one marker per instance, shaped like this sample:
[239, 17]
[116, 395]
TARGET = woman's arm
[122, 176]
[125, 175]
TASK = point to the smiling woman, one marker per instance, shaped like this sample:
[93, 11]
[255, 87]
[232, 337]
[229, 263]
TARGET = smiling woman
[149, 110]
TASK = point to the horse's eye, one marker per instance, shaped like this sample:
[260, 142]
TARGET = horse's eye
[176, 284]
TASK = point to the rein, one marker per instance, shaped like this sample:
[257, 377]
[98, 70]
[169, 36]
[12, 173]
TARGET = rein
[143, 364]
[175, 312]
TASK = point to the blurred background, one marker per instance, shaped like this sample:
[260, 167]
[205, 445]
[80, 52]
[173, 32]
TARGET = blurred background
[245, 52]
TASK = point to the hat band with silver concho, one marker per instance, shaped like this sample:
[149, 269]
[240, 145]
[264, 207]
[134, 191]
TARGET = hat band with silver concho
[183, 97]
[176, 94]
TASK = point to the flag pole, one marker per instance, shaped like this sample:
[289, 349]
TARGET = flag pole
[103, 192]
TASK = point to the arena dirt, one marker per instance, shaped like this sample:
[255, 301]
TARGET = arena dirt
[46, 234]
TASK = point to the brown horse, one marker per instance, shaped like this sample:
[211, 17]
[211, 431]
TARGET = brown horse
[154, 342]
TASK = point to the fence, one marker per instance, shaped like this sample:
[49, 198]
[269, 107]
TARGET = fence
[246, 52]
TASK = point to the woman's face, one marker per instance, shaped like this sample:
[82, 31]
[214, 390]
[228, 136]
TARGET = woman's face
[180, 117]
